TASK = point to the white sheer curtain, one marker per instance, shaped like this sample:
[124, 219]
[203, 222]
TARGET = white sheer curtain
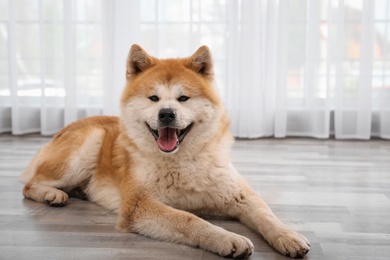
[283, 68]
[51, 64]
[309, 68]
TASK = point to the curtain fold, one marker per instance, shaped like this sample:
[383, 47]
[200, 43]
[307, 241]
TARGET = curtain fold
[283, 68]
[121, 28]
[318, 75]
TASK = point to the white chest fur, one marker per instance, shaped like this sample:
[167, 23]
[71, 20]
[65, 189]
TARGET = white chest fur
[189, 183]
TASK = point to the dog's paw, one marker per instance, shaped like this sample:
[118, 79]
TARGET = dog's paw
[290, 243]
[233, 246]
[56, 198]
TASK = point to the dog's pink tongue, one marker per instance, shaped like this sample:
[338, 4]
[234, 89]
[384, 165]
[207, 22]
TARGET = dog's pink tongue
[167, 139]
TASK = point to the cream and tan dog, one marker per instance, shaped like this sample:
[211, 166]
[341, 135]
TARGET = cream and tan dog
[165, 156]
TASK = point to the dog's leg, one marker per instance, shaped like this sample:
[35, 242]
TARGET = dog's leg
[151, 218]
[62, 166]
[251, 210]
[45, 194]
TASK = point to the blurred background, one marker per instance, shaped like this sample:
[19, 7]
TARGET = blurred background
[282, 67]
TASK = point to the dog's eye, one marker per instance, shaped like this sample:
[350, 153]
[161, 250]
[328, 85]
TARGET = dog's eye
[183, 98]
[154, 98]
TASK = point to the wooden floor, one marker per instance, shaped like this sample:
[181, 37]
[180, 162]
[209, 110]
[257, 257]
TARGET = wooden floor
[337, 193]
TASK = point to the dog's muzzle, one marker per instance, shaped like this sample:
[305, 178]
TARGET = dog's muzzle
[167, 136]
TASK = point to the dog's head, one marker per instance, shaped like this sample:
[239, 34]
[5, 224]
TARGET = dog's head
[171, 103]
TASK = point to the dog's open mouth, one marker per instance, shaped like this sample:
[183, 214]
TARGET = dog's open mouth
[168, 138]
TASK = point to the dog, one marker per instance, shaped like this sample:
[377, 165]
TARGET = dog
[166, 155]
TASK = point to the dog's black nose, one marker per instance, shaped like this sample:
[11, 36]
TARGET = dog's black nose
[166, 115]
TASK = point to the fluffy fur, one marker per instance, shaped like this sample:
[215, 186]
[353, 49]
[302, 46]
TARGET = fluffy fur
[117, 162]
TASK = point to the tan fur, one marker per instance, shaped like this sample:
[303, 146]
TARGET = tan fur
[117, 163]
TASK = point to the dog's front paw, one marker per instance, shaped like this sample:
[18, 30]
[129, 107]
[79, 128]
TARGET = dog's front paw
[231, 245]
[290, 243]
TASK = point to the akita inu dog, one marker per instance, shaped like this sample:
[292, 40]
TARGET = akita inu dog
[165, 156]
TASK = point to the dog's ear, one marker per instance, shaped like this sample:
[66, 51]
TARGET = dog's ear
[202, 63]
[137, 61]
